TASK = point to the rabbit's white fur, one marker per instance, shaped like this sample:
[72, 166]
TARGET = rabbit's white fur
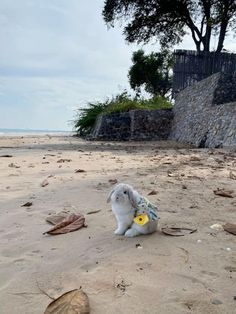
[124, 200]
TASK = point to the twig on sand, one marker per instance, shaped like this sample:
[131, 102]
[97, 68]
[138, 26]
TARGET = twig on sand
[186, 259]
[44, 292]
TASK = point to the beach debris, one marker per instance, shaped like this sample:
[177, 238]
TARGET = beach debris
[93, 212]
[223, 192]
[113, 181]
[217, 227]
[69, 223]
[64, 160]
[186, 257]
[199, 241]
[153, 192]
[195, 158]
[45, 162]
[232, 175]
[231, 228]
[44, 183]
[230, 269]
[121, 284]
[177, 231]
[138, 246]
[57, 218]
[71, 302]
[27, 204]
[79, 170]
[170, 174]
[12, 165]
[6, 156]
[228, 249]
[216, 302]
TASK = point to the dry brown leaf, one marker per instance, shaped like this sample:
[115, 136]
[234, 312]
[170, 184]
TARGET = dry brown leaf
[93, 212]
[231, 228]
[27, 204]
[173, 231]
[195, 158]
[11, 165]
[153, 192]
[64, 160]
[232, 175]
[224, 193]
[72, 302]
[79, 170]
[71, 223]
[7, 156]
[113, 181]
[44, 183]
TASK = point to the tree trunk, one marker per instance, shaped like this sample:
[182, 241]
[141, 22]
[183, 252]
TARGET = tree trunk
[223, 28]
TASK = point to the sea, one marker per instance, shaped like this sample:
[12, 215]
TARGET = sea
[29, 132]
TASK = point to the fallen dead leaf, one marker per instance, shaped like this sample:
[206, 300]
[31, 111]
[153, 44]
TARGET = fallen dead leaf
[72, 302]
[79, 170]
[232, 175]
[223, 192]
[231, 228]
[93, 212]
[153, 192]
[6, 156]
[113, 181]
[44, 183]
[27, 204]
[64, 160]
[174, 231]
[12, 165]
[71, 223]
[195, 158]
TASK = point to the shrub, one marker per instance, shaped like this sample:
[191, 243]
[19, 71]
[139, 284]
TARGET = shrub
[86, 117]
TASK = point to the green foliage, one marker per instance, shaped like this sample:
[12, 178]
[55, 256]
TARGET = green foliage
[86, 117]
[169, 20]
[152, 71]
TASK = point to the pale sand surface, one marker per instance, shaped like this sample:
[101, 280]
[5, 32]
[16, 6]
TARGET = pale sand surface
[168, 275]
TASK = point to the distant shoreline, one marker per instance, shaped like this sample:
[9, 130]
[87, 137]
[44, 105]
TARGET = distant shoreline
[25, 132]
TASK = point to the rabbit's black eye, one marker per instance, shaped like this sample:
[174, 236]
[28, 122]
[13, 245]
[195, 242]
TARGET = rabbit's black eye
[125, 192]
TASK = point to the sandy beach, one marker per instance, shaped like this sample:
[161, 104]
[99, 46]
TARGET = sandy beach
[162, 274]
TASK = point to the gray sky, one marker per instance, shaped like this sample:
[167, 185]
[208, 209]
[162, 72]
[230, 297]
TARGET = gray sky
[57, 54]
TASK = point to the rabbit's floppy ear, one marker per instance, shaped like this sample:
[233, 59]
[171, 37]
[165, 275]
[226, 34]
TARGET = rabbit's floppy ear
[109, 196]
[132, 197]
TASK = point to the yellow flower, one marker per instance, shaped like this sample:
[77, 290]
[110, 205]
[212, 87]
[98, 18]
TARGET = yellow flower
[141, 219]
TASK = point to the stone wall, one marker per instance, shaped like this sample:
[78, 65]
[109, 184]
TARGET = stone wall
[205, 113]
[134, 125]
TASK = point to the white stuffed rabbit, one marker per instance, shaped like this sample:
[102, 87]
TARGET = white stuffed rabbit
[135, 215]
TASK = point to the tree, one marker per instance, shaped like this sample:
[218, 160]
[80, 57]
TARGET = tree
[151, 71]
[169, 20]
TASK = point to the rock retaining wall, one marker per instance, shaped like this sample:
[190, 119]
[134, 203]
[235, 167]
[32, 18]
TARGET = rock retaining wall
[134, 125]
[205, 113]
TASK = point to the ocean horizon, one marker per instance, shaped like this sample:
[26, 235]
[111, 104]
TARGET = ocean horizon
[30, 132]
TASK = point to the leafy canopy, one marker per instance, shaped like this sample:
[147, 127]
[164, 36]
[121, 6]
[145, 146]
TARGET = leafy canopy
[169, 20]
[152, 71]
